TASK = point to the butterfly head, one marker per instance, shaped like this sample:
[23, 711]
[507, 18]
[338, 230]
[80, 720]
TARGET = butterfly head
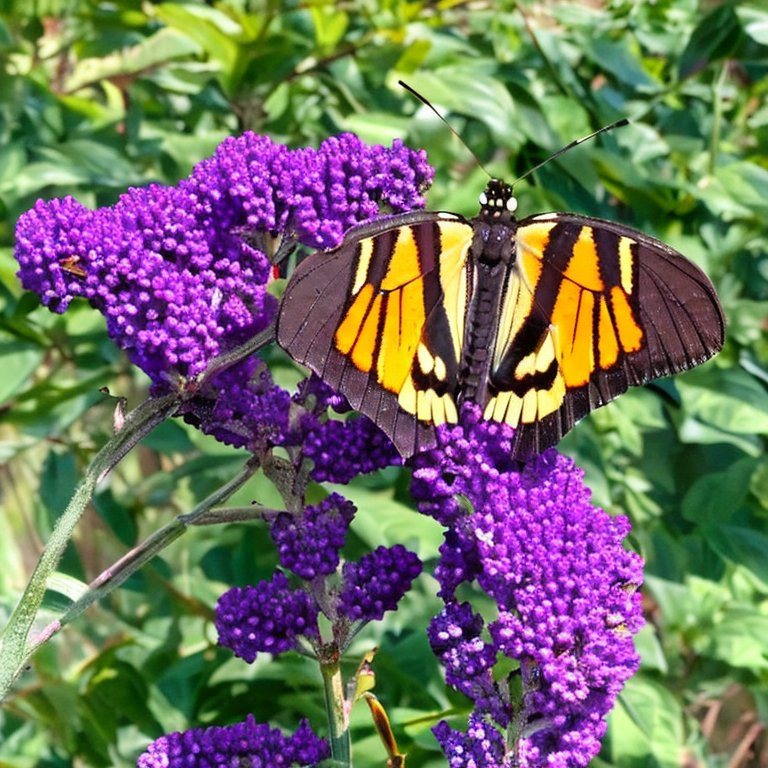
[498, 202]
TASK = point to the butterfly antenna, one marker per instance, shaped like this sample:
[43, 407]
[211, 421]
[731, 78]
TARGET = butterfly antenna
[427, 103]
[575, 143]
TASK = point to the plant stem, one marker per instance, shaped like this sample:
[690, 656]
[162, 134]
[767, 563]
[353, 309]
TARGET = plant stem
[142, 420]
[126, 566]
[717, 117]
[335, 707]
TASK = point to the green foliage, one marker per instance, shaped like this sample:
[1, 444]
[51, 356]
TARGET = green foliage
[97, 97]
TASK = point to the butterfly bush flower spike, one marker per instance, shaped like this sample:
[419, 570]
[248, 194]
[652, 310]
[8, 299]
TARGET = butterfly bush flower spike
[564, 586]
[310, 545]
[341, 450]
[272, 616]
[377, 582]
[266, 618]
[172, 268]
[244, 744]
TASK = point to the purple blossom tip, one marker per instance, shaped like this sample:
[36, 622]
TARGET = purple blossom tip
[341, 450]
[310, 544]
[267, 617]
[482, 746]
[249, 743]
[455, 636]
[241, 406]
[376, 583]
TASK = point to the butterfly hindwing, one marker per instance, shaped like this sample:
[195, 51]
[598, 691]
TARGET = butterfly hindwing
[381, 319]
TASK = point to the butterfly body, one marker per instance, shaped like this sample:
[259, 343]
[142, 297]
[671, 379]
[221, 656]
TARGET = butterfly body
[537, 321]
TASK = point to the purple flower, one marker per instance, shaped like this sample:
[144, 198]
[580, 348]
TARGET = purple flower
[171, 268]
[455, 636]
[316, 195]
[250, 744]
[241, 406]
[459, 559]
[264, 618]
[564, 585]
[310, 544]
[175, 291]
[482, 746]
[342, 450]
[376, 583]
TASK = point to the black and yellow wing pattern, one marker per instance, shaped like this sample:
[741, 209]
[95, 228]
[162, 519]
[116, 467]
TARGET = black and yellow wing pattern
[537, 321]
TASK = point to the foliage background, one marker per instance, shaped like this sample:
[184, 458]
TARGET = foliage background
[97, 96]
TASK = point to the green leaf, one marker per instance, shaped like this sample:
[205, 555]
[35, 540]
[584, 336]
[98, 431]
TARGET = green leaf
[330, 25]
[382, 520]
[674, 600]
[742, 546]
[211, 29]
[18, 362]
[58, 481]
[736, 191]
[68, 586]
[649, 647]
[715, 497]
[163, 46]
[755, 22]
[376, 127]
[716, 36]
[646, 726]
[475, 94]
[758, 484]
[728, 399]
[117, 516]
[618, 58]
[739, 640]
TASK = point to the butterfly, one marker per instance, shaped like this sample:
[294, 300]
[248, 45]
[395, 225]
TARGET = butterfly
[537, 321]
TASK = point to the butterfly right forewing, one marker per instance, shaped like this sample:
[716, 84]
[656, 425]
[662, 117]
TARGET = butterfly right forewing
[606, 307]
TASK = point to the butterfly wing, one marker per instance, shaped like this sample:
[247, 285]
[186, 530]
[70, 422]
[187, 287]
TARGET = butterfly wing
[381, 319]
[592, 308]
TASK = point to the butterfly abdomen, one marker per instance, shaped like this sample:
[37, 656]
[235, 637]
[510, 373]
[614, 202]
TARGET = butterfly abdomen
[480, 332]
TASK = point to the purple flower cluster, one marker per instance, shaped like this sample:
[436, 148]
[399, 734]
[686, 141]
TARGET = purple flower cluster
[268, 618]
[455, 636]
[310, 544]
[175, 289]
[241, 406]
[180, 275]
[482, 746]
[171, 268]
[315, 195]
[179, 281]
[341, 450]
[564, 586]
[377, 582]
[248, 744]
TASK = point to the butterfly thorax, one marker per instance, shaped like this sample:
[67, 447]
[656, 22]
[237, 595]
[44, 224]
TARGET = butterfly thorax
[495, 225]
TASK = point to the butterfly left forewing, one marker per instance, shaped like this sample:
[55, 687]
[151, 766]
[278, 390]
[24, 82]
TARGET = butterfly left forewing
[381, 319]
[593, 308]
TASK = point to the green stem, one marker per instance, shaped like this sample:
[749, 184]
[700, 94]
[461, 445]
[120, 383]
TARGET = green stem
[335, 708]
[127, 565]
[717, 117]
[141, 421]
[228, 359]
